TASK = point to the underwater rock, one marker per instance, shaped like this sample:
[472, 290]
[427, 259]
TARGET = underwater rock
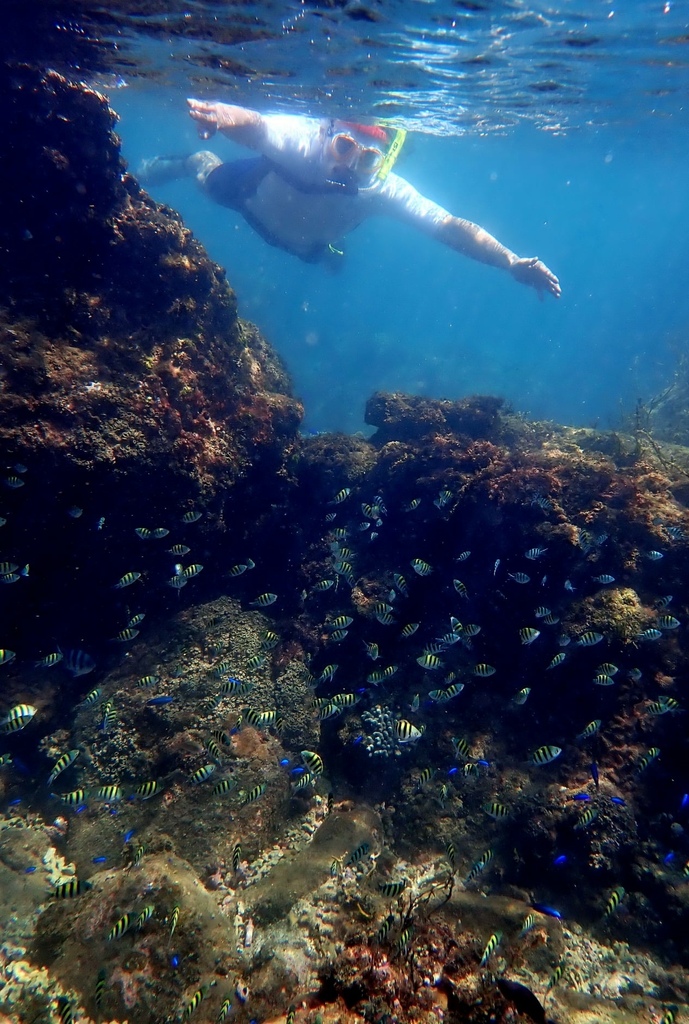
[409, 417]
[128, 381]
[294, 878]
[73, 941]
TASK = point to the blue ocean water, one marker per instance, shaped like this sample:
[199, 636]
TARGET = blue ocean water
[600, 205]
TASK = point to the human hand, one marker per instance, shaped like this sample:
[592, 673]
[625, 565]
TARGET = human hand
[219, 117]
[534, 273]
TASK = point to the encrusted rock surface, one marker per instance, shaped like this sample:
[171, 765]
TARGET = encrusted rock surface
[121, 352]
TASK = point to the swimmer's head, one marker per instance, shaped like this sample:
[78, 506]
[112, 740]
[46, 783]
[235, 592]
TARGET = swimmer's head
[354, 152]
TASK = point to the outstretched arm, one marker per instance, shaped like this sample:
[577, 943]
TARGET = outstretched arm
[471, 240]
[240, 124]
[401, 200]
[289, 139]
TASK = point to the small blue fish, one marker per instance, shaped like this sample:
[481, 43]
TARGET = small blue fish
[543, 908]
[619, 801]
[581, 796]
[156, 702]
[594, 773]
[562, 859]
[30, 870]
[98, 860]
[129, 834]
[684, 802]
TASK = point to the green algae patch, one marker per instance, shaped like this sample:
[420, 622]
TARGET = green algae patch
[290, 881]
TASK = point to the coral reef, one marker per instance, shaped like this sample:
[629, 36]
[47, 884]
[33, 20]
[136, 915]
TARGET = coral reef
[381, 726]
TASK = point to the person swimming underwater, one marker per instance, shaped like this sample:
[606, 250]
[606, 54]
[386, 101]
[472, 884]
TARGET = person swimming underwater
[317, 179]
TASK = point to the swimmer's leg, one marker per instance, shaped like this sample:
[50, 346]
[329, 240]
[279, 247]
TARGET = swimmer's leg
[161, 169]
[228, 184]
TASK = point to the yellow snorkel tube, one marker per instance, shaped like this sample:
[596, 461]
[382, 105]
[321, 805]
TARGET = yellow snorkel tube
[392, 154]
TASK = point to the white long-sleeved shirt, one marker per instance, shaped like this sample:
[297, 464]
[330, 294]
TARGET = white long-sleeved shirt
[301, 212]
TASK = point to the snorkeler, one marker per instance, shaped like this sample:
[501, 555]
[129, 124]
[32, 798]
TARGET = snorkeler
[316, 180]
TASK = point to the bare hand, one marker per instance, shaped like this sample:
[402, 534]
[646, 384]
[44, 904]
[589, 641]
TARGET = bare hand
[220, 117]
[533, 272]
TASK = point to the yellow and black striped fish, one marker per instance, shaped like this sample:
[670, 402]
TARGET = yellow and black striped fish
[429, 661]
[223, 787]
[648, 758]
[483, 671]
[61, 764]
[616, 897]
[99, 992]
[405, 939]
[138, 855]
[405, 732]
[17, 718]
[73, 799]
[145, 915]
[546, 754]
[496, 810]
[492, 944]
[225, 1008]
[202, 774]
[120, 927]
[111, 794]
[480, 865]
[392, 889]
[71, 888]
[254, 794]
[127, 580]
[148, 789]
[145, 682]
[125, 635]
[358, 854]
[589, 816]
[196, 1000]
[313, 762]
[384, 929]
[556, 976]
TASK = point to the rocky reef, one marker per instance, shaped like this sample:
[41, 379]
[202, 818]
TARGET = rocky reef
[320, 729]
[128, 385]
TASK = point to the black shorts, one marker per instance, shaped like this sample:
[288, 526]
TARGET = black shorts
[233, 183]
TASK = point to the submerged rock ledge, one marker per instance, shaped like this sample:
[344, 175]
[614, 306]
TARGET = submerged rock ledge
[121, 353]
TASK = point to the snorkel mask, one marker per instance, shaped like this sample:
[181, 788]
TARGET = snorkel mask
[362, 159]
